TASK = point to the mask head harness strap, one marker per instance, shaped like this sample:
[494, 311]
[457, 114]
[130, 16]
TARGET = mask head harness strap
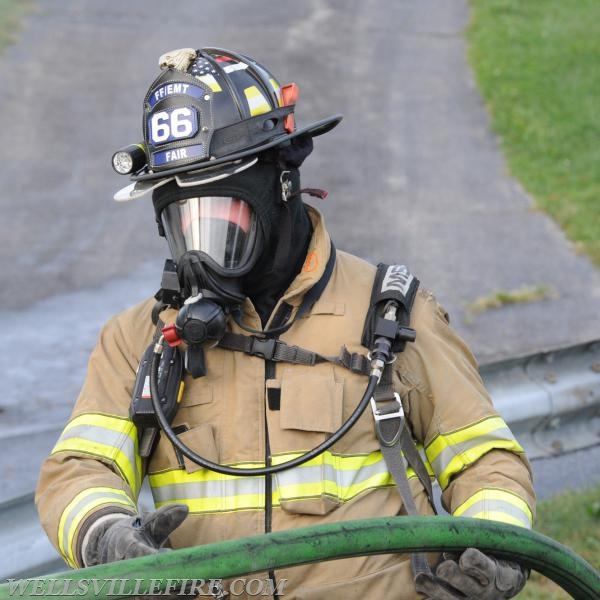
[288, 158]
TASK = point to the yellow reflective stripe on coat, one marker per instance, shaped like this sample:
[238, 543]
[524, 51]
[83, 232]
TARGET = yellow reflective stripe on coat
[452, 452]
[77, 510]
[205, 491]
[340, 476]
[497, 505]
[335, 475]
[110, 439]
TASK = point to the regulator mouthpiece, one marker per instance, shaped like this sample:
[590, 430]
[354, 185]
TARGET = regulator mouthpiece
[201, 321]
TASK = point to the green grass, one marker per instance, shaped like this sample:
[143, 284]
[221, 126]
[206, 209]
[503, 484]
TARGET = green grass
[500, 298]
[537, 64]
[11, 14]
[574, 520]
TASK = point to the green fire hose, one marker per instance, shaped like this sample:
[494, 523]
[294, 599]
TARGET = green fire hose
[261, 553]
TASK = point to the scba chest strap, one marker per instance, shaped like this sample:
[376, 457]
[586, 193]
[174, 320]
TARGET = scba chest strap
[278, 351]
[393, 283]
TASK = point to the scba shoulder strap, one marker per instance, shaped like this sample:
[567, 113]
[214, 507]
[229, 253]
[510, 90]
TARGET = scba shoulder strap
[393, 283]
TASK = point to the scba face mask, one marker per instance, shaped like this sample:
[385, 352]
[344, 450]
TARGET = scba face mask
[222, 230]
[213, 240]
[218, 231]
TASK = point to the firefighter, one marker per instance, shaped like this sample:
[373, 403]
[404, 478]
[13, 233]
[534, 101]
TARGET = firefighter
[255, 304]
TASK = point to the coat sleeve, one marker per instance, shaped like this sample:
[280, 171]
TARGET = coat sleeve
[95, 468]
[480, 466]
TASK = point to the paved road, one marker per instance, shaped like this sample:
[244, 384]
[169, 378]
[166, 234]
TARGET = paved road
[413, 171]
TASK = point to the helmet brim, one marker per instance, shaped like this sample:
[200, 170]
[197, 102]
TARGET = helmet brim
[313, 130]
[189, 178]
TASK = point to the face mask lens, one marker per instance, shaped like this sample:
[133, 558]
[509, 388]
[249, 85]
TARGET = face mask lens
[222, 228]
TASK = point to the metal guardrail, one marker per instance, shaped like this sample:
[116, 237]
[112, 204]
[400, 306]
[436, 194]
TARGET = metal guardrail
[551, 400]
[26, 549]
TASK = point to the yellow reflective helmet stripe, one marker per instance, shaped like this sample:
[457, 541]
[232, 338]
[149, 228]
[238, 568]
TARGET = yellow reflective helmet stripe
[211, 82]
[79, 508]
[257, 103]
[107, 438]
[277, 90]
[497, 505]
[452, 452]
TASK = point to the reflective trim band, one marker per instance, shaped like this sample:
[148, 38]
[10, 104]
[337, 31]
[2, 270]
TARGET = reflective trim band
[112, 440]
[339, 476]
[277, 90]
[207, 492]
[257, 103]
[450, 453]
[79, 508]
[211, 82]
[497, 505]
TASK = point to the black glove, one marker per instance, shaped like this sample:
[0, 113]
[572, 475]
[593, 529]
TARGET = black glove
[129, 537]
[474, 575]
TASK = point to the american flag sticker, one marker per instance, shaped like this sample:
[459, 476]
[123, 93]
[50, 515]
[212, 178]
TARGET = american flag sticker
[257, 103]
[204, 71]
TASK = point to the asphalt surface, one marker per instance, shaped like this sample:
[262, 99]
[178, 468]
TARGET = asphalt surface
[414, 176]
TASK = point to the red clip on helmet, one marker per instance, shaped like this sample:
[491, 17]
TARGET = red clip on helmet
[214, 108]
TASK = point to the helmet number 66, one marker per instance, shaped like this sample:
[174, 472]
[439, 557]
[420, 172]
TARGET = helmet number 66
[173, 124]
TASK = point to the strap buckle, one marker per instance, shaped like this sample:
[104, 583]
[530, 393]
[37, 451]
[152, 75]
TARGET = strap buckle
[263, 347]
[286, 185]
[381, 415]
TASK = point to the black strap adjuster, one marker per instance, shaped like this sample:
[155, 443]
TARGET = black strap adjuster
[263, 347]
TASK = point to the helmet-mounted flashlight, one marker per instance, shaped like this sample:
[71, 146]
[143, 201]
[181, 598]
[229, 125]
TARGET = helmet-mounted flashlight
[130, 159]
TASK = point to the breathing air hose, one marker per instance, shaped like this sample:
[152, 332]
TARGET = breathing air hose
[260, 553]
[381, 354]
[250, 471]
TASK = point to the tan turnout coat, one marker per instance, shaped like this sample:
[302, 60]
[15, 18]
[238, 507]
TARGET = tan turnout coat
[95, 469]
